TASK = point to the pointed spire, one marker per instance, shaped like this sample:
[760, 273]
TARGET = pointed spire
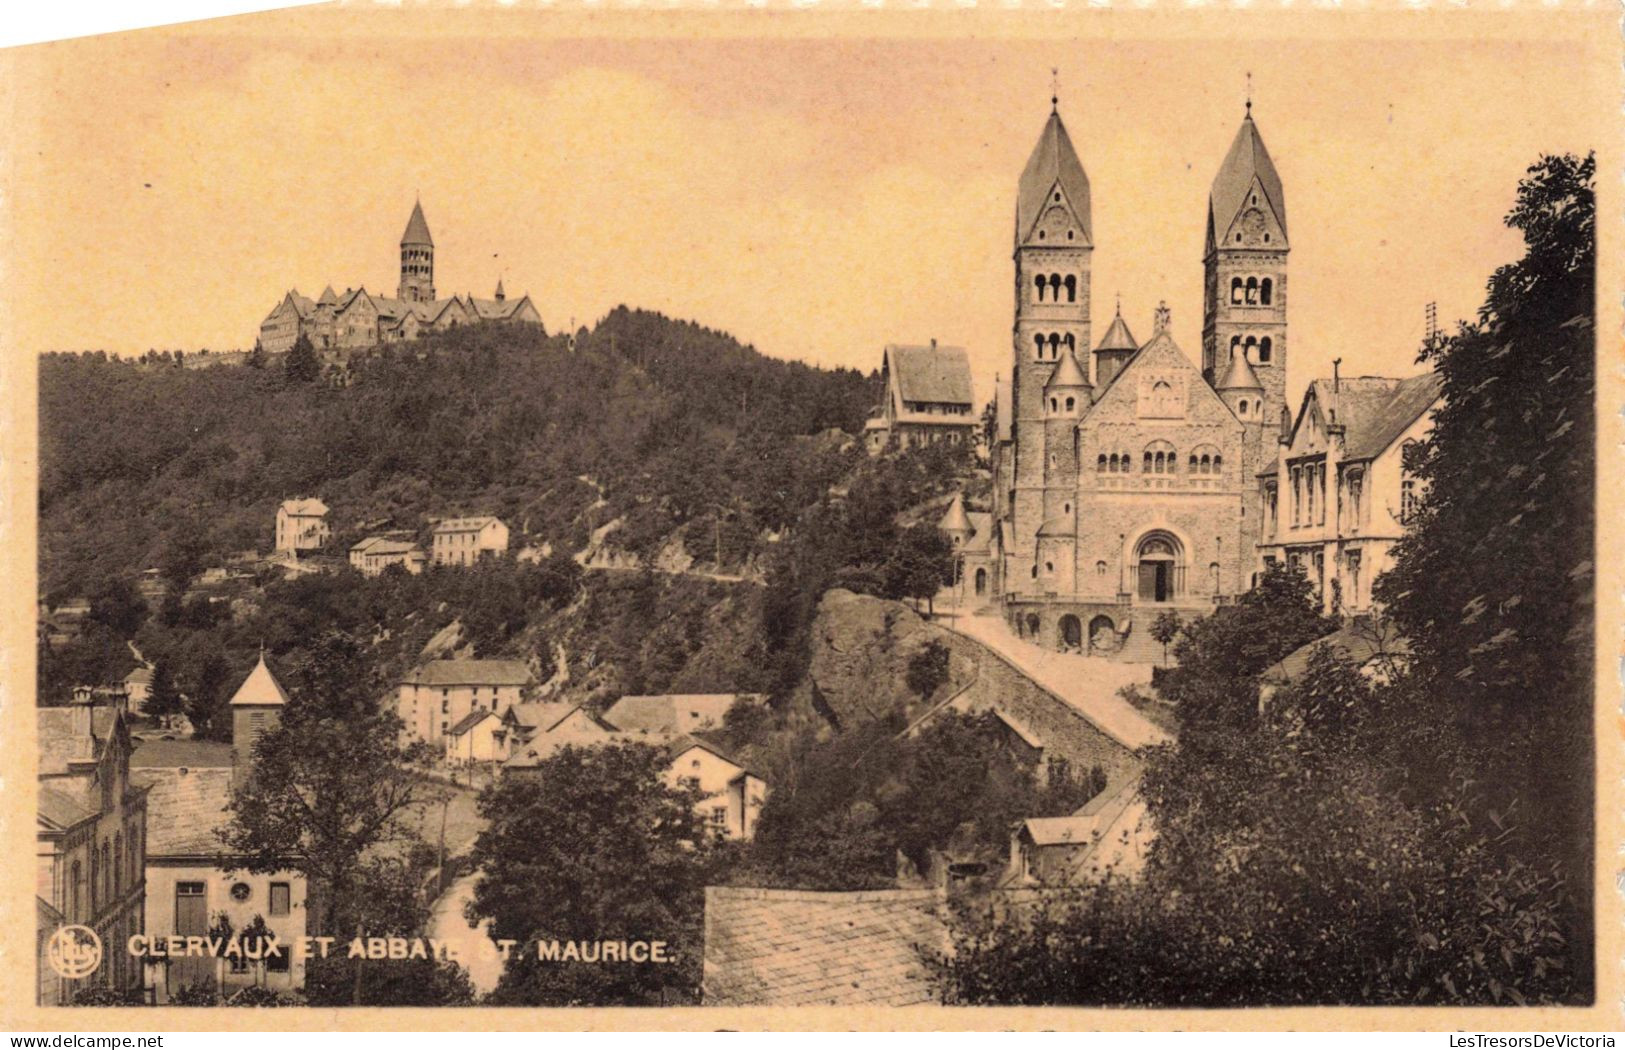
[500, 294]
[1239, 375]
[1118, 337]
[1069, 373]
[1247, 162]
[417, 228]
[1053, 168]
[260, 688]
[954, 519]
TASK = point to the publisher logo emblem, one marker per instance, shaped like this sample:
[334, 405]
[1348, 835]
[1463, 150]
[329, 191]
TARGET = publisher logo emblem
[74, 952]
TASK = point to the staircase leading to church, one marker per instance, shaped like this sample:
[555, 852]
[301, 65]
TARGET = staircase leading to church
[1139, 647]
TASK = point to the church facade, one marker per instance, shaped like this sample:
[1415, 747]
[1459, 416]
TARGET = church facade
[1126, 474]
[358, 318]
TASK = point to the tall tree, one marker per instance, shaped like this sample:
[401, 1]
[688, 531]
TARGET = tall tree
[595, 845]
[329, 783]
[163, 698]
[205, 707]
[302, 365]
[1508, 474]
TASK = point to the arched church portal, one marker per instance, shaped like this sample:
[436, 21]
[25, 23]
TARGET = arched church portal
[981, 582]
[1159, 568]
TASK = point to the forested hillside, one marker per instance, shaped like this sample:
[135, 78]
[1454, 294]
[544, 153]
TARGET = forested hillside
[668, 424]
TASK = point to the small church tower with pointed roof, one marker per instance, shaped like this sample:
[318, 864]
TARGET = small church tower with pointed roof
[417, 260]
[256, 708]
[1244, 264]
[1054, 243]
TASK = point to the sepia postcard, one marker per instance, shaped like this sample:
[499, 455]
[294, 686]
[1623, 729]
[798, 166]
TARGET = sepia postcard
[579, 517]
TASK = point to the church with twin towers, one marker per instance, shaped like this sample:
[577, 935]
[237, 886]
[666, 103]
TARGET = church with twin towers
[1130, 477]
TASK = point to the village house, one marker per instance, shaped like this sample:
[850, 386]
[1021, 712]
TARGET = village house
[465, 541]
[533, 732]
[301, 525]
[1340, 494]
[733, 795]
[91, 845]
[439, 694]
[374, 554]
[359, 318]
[138, 687]
[927, 398]
[1110, 834]
[190, 883]
[667, 717]
[474, 739]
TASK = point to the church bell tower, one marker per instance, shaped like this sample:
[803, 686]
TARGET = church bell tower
[417, 260]
[1054, 241]
[1244, 264]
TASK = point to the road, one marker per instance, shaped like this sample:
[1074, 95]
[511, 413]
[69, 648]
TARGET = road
[469, 945]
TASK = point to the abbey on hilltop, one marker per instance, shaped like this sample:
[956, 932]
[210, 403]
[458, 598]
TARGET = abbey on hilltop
[359, 318]
[1128, 479]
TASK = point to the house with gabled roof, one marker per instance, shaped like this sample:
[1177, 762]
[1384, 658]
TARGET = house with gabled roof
[927, 398]
[1340, 493]
[731, 794]
[439, 694]
[301, 524]
[466, 541]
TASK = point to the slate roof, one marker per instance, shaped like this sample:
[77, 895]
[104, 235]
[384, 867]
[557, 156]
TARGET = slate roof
[538, 716]
[1374, 411]
[669, 715]
[59, 744]
[542, 745]
[367, 544]
[1118, 337]
[184, 807]
[176, 754]
[451, 525]
[470, 720]
[1053, 160]
[469, 672]
[1068, 373]
[1239, 374]
[938, 374]
[954, 519]
[259, 689]
[417, 228]
[1247, 158]
[306, 507]
[60, 809]
[494, 309]
[706, 742]
[801, 948]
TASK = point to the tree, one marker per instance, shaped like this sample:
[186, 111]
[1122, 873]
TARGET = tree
[302, 365]
[920, 565]
[205, 710]
[118, 607]
[1165, 628]
[595, 845]
[256, 356]
[928, 669]
[328, 783]
[163, 699]
[1508, 474]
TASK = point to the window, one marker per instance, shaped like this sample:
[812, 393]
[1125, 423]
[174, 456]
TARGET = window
[1265, 350]
[1252, 291]
[719, 817]
[1071, 403]
[690, 783]
[1356, 489]
[1407, 500]
[1236, 286]
[281, 898]
[1071, 283]
[1100, 568]
[241, 891]
[1265, 287]
[1100, 464]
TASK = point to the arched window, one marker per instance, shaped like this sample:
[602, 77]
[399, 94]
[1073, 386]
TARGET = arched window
[1100, 465]
[1070, 402]
[1242, 404]
[1071, 288]
[1039, 284]
[1252, 291]
[1160, 458]
[1266, 288]
[1054, 345]
[1054, 406]
[1236, 286]
[1250, 347]
[1038, 345]
[1265, 350]
[1218, 463]
[1100, 568]
[1147, 468]
[1235, 344]
[1071, 341]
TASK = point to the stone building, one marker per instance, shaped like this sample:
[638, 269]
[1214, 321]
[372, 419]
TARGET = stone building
[1124, 478]
[359, 318]
[439, 694]
[91, 848]
[466, 541]
[927, 398]
[301, 524]
[191, 882]
[1339, 495]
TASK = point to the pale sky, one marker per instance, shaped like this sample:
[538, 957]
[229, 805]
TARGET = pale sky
[816, 197]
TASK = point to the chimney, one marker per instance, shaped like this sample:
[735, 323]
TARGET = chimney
[84, 707]
[1337, 381]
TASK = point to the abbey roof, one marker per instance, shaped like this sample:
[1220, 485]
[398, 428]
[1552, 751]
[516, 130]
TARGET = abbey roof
[1053, 161]
[1247, 160]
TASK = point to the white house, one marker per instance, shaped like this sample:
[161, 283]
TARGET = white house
[301, 525]
[1340, 496]
[464, 541]
[733, 794]
[475, 739]
[439, 694]
[374, 554]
